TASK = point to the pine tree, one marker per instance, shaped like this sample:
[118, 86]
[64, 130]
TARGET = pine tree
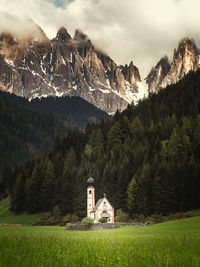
[49, 186]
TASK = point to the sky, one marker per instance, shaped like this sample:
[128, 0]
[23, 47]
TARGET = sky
[141, 31]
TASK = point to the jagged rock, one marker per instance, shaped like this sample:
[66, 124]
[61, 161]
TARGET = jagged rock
[63, 35]
[131, 73]
[36, 67]
[186, 58]
[157, 74]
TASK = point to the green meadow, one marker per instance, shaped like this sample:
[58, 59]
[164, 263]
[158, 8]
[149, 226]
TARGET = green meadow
[174, 243]
[6, 216]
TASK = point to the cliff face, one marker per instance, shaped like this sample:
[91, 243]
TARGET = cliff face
[36, 66]
[157, 74]
[186, 58]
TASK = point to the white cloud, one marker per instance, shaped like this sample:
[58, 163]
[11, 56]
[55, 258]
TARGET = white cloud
[141, 31]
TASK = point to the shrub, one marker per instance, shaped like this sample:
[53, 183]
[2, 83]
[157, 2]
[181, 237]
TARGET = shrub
[121, 216]
[87, 221]
[74, 217]
[140, 218]
[157, 217]
[153, 219]
[56, 212]
[71, 217]
[150, 221]
[103, 220]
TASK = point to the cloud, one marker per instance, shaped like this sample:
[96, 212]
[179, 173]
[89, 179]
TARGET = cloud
[142, 31]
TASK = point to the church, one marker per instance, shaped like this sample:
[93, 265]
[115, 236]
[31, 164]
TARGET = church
[102, 209]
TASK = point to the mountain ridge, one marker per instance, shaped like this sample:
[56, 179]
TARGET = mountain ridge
[186, 58]
[29, 128]
[35, 66]
[66, 66]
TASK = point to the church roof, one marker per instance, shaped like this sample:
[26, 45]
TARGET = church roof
[90, 180]
[99, 203]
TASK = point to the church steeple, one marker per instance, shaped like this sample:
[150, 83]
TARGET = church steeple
[90, 197]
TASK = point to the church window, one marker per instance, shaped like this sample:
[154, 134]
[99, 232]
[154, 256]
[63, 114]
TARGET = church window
[90, 192]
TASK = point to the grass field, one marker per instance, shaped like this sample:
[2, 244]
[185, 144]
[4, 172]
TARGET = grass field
[174, 243]
[6, 216]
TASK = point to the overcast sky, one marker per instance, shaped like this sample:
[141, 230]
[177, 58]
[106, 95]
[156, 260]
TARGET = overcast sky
[141, 31]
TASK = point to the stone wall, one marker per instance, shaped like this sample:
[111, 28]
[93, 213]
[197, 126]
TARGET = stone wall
[99, 226]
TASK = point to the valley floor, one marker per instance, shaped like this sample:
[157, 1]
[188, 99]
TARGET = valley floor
[174, 243]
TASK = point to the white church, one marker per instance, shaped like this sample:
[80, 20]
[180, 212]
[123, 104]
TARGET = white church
[102, 209]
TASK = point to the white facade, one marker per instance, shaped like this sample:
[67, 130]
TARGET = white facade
[102, 209]
[90, 200]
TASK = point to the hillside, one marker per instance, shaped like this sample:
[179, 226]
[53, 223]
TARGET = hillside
[73, 110]
[146, 159]
[29, 129]
[25, 132]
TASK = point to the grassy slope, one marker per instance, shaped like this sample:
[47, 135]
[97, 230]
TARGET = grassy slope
[6, 216]
[174, 243]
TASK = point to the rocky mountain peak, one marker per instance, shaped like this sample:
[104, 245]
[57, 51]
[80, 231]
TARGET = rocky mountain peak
[66, 66]
[34, 66]
[131, 73]
[82, 42]
[80, 36]
[187, 55]
[157, 74]
[186, 45]
[186, 58]
[63, 35]
[9, 46]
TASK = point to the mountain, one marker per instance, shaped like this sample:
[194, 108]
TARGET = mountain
[74, 110]
[186, 58]
[29, 129]
[24, 132]
[146, 159]
[36, 67]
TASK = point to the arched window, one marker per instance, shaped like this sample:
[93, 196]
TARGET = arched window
[90, 192]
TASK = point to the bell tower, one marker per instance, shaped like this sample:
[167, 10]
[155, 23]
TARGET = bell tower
[90, 197]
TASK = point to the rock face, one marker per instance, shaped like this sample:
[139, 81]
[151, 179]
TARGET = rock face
[157, 74]
[36, 66]
[186, 58]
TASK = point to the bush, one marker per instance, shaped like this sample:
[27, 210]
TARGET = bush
[121, 216]
[157, 217]
[87, 221]
[103, 220]
[150, 221]
[74, 217]
[56, 212]
[71, 218]
[140, 218]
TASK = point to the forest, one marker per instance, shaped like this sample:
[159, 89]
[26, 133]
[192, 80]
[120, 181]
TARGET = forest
[146, 159]
[29, 128]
